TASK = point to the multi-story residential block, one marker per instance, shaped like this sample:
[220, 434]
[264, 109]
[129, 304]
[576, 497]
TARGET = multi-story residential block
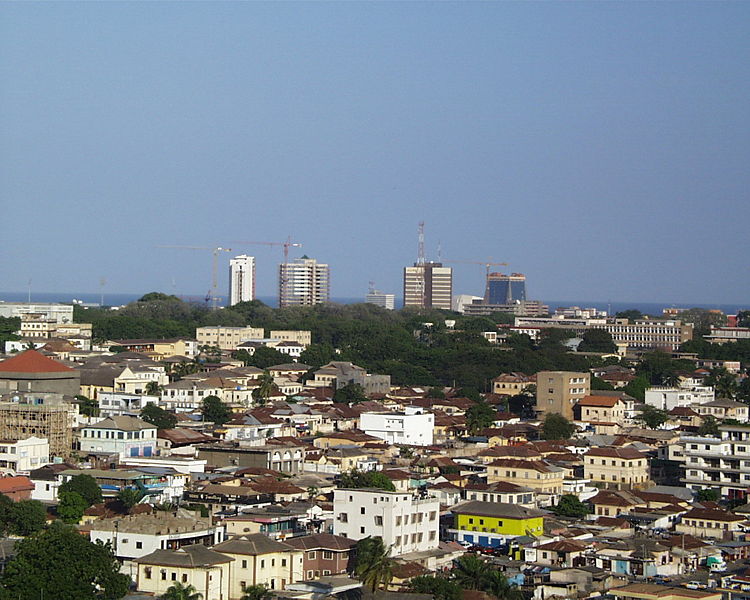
[22, 456]
[413, 427]
[616, 468]
[604, 410]
[113, 404]
[428, 285]
[285, 459]
[501, 491]
[558, 391]
[723, 409]
[721, 463]
[60, 313]
[226, 338]
[241, 279]
[667, 398]
[337, 374]
[197, 565]
[41, 415]
[34, 327]
[259, 560]
[406, 523]
[188, 394]
[303, 282]
[324, 554]
[546, 479]
[121, 435]
[512, 383]
[494, 523]
[302, 337]
[381, 299]
[650, 334]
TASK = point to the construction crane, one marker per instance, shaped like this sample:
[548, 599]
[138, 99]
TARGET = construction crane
[213, 294]
[286, 245]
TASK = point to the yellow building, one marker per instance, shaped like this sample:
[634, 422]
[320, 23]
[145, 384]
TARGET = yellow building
[492, 523]
[512, 383]
[616, 468]
[536, 474]
[651, 591]
[206, 570]
[259, 560]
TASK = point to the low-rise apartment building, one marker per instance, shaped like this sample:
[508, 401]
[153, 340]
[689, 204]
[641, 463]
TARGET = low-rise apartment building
[226, 338]
[122, 435]
[512, 383]
[721, 463]
[413, 427]
[544, 478]
[711, 523]
[616, 468]
[667, 398]
[22, 456]
[494, 523]
[324, 554]
[407, 523]
[558, 391]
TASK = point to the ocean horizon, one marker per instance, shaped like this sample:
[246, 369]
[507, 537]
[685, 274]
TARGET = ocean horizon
[646, 307]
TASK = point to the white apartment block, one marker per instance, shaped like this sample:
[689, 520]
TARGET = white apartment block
[113, 404]
[667, 398]
[722, 464]
[387, 301]
[226, 338]
[406, 523]
[122, 435]
[303, 282]
[241, 279]
[413, 427]
[60, 313]
[22, 456]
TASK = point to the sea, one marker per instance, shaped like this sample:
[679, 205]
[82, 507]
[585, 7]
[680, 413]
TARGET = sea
[95, 299]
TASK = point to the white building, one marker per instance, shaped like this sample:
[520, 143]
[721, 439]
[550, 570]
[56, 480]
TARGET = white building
[381, 299]
[241, 279]
[721, 464]
[406, 523]
[126, 436]
[303, 282]
[114, 404]
[413, 427]
[20, 457]
[667, 398]
[60, 313]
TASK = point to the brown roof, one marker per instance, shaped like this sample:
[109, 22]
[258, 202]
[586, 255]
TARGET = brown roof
[609, 452]
[615, 498]
[534, 465]
[32, 361]
[20, 483]
[563, 546]
[712, 514]
[598, 401]
[322, 541]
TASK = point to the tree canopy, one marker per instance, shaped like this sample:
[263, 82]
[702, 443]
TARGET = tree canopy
[85, 486]
[597, 340]
[158, 417]
[557, 427]
[214, 410]
[479, 416]
[570, 506]
[367, 479]
[60, 563]
[651, 417]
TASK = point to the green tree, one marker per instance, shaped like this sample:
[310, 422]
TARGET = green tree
[435, 392]
[570, 506]
[60, 563]
[497, 584]
[265, 388]
[600, 384]
[8, 327]
[366, 479]
[153, 388]
[214, 410]
[255, 592]
[708, 495]
[631, 314]
[85, 486]
[265, 357]
[373, 566]
[130, 497]
[743, 390]
[597, 340]
[637, 388]
[557, 427]
[317, 355]
[470, 572]
[351, 393]
[651, 417]
[27, 517]
[709, 427]
[158, 417]
[743, 318]
[441, 588]
[71, 507]
[87, 407]
[723, 382]
[479, 416]
[178, 591]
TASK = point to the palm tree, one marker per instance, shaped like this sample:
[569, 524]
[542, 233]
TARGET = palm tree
[470, 572]
[264, 389]
[178, 591]
[374, 565]
[497, 584]
[255, 592]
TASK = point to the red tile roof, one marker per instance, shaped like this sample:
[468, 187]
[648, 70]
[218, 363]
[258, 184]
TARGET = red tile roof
[8, 485]
[32, 361]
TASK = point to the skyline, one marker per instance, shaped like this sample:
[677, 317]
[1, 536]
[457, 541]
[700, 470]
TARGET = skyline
[600, 149]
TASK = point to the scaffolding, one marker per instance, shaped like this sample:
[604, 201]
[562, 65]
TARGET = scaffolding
[19, 421]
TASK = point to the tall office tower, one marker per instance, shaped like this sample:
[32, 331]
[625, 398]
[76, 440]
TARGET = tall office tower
[241, 279]
[387, 301]
[504, 289]
[428, 285]
[303, 282]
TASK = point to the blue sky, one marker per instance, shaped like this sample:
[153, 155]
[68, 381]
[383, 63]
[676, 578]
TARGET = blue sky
[600, 148]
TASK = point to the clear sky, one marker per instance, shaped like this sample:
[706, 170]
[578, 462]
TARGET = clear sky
[603, 149]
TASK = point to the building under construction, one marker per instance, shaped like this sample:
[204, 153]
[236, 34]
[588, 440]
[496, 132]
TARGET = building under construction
[49, 416]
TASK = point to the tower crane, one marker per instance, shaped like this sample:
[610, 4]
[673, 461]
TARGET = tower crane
[213, 292]
[487, 265]
[285, 245]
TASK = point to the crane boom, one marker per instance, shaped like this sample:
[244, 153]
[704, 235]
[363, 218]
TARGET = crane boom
[213, 292]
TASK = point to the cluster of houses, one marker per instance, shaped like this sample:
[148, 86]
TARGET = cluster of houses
[272, 496]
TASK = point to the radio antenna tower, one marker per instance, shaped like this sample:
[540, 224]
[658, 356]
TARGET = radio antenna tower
[420, 246]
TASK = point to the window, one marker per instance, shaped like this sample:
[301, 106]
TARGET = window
[361, 529]
[139, 545]
[311, 555]
[244, 564]
[326, 572]
[263, 564]
[147, 572]
[283, 562]
[163, 574]
[344, 518]
[327, 555]
[184, 578]
[362, 510]
[174, 576]
[378, 521]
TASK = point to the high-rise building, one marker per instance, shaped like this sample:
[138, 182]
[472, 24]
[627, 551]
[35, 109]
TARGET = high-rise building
[428, 285]
[504, 289]
[387, 301]
[303, 282]
[241, 279]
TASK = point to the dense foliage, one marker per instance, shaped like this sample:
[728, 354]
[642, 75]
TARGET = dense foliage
[366, 479]
[215, 411]
[158, 417]
[651, 417]
[85, 486]
[557, 427]
[60, 563]
[414, 347]
[570, 506]
[21, 518]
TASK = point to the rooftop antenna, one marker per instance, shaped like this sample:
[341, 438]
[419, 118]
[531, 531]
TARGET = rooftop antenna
[29, 290]
[372, 287]
[439, 252]
[420, 246]
[421, 264]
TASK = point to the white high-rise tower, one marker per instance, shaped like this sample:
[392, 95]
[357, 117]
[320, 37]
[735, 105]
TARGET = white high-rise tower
[241, 279]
